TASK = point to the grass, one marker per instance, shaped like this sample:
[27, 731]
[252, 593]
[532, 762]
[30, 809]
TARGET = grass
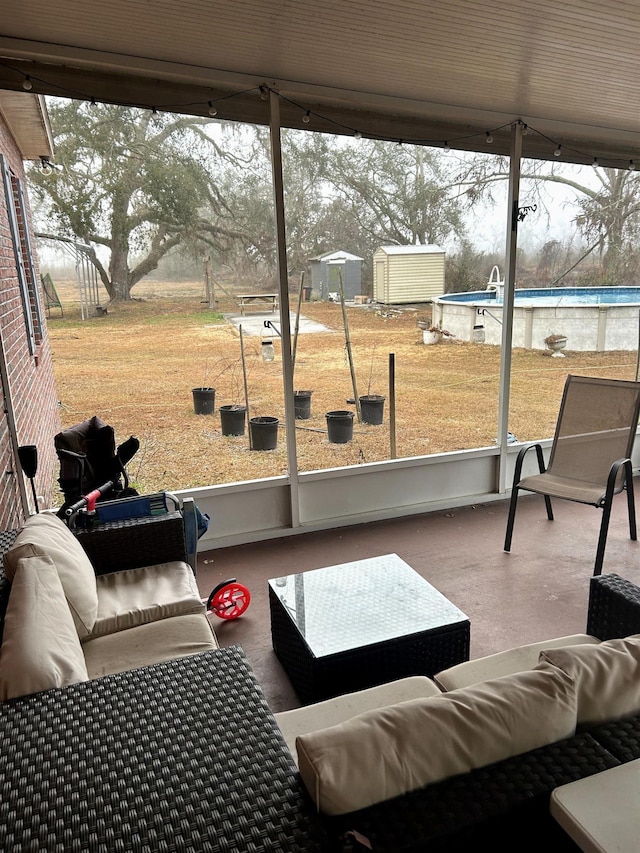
[135, 369]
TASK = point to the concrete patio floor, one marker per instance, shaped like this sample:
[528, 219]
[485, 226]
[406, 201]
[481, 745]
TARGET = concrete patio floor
[538, 591]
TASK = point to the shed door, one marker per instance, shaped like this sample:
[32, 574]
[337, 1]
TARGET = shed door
[378, 290]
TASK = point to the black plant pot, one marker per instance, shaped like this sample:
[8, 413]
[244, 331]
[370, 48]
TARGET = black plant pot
[232, 419]
[302, 402]
[204, 400]
[264, 433]
[372, 408]
[340, 426]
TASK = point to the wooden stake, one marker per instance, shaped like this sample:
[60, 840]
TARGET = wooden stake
[348, 345]
[392, 405]
[246, 389]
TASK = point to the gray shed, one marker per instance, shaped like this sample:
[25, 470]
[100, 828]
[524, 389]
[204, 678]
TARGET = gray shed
[404, 274]
[325, 278]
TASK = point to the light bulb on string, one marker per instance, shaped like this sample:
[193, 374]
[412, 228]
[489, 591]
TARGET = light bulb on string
[306, 118]
[558, 151]
[92, 103]
[446, 147]
[27, 85]
[264, 93]
[212, 110]
[595, 163]
[631, 166]
[489, 138]
[45, 166]
[357, 134]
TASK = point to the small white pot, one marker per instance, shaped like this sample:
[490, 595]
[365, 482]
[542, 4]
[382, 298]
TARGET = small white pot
[431, 337]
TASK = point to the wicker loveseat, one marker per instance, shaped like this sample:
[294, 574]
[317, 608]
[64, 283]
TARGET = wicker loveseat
[502, 803]
[69, 618]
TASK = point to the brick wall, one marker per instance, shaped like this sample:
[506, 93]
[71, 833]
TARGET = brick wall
[30, 393]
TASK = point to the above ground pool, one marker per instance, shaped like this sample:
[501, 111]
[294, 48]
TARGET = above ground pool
[593, 319]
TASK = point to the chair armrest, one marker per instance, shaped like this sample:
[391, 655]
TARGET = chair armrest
[614, 607]
[135, 542]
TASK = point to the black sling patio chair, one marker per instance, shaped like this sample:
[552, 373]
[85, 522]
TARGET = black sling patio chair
[590, 459]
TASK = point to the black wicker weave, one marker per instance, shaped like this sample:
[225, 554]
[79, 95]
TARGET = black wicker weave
[621, 738]
[502, 807]
[181, 756]
[134, 542]
[614, 607]
[7, 538]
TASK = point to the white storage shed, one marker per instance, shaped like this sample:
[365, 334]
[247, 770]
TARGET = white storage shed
[404, 274]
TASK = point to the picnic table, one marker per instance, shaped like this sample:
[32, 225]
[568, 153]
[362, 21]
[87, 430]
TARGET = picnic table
[247, 298]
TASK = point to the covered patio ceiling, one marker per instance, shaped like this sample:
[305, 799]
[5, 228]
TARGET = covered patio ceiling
[447, 71]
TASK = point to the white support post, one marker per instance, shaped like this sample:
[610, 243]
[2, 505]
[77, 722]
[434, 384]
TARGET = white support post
[507, 309]
[285, 321]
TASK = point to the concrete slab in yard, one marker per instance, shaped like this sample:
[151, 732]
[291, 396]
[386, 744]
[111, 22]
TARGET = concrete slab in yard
[253, 324]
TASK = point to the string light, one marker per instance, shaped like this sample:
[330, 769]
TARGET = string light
[264, 93]
[93, 104]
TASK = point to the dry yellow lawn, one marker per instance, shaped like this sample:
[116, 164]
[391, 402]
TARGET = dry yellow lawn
[135, 368]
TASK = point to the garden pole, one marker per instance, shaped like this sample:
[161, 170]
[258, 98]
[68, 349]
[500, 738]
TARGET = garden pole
[392, 405]
[246, 390]
[348, 345]
[295, 333]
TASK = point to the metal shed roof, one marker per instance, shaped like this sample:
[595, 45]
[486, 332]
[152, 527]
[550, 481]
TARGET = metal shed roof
[429, 249]
[337, 256]
[433, 72]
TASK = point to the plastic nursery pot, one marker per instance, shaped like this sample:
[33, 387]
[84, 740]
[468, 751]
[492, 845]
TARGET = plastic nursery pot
[264, 433]
[372, 408]
[340, 426]
[232, 419]
[203, 400]
[302, 403]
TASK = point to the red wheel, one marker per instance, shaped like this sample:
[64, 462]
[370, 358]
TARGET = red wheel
[229, 600]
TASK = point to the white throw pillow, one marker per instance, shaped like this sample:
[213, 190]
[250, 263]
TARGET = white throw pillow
[607, 677]
[40, 647]
[45, 535]
[384, 753]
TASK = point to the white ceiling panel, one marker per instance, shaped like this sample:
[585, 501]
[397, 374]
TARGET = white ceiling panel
[404, 69]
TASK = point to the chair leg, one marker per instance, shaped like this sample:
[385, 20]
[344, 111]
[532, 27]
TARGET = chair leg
[631, 504]
[602, 539]
[511, 518]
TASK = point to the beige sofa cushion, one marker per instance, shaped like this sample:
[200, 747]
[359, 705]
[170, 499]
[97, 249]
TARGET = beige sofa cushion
[155, 642]
[607, 677]
[518, 659]
[137, 596]
[321, 715]
[40, 647]
[385, 753]
[46, 535]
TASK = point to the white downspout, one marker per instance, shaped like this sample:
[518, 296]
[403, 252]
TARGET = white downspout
[285, 321]
[507, 309]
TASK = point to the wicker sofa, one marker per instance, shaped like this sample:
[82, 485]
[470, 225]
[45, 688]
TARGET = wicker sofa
[69, 618]
[501, 769]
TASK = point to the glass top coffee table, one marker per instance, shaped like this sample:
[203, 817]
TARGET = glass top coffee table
[355, 625]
